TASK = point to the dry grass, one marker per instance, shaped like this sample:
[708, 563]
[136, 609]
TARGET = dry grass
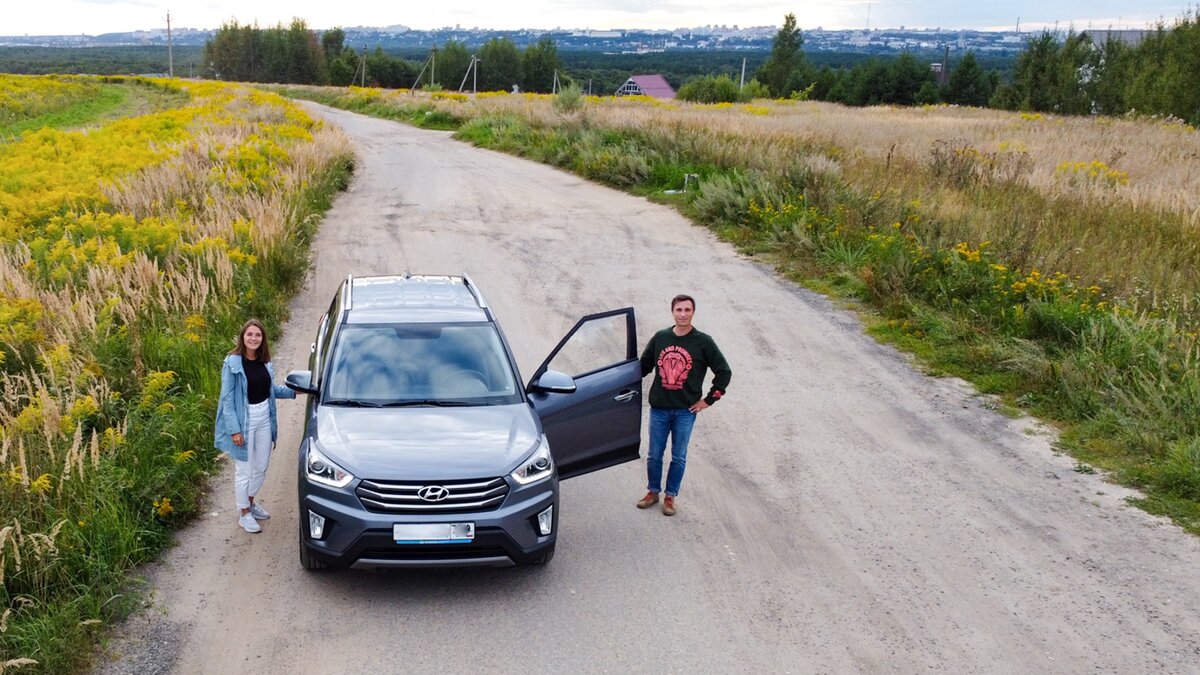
[1160, 159]
[1111, 201]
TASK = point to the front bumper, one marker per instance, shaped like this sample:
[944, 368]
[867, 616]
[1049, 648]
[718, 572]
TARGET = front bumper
[355, 537]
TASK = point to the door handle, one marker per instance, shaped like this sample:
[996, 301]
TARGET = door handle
[625, 396]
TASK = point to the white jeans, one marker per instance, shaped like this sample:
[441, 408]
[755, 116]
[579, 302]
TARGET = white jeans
[248, 476]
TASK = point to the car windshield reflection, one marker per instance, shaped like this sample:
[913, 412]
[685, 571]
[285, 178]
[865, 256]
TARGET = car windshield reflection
[400, 365]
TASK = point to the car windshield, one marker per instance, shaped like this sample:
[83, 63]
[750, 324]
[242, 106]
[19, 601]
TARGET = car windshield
[420, 364]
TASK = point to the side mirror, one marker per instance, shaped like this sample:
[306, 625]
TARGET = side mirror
[554, 382]
[301, 381]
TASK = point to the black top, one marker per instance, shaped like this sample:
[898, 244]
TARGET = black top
[679, 363]
[258, 380]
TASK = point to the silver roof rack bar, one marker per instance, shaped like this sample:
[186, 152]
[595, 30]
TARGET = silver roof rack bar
[474, 291]
[348, 293]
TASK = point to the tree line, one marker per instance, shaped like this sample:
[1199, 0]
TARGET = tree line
[1077, 75]
[1160, 75]
[295, 54]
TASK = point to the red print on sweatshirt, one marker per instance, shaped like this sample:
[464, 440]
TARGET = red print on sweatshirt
[674, 364]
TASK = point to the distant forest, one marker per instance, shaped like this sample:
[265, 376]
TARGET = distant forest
[603, 72]
[1158, 75]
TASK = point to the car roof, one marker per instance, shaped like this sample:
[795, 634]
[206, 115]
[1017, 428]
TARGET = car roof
[414, 298]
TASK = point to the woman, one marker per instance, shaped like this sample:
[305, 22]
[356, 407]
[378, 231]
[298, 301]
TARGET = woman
[246, 426]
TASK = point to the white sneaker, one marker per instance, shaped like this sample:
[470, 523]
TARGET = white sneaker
[249, 524]
[259, 512]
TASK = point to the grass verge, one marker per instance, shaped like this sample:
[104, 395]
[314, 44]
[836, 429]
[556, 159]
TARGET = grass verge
[127, 266]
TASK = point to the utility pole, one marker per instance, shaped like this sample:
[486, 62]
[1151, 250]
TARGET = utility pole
[428, 63]
[945, 74]
[364, 66]
[170, 49]
[742, 83]
[554, 87]
[472, 68]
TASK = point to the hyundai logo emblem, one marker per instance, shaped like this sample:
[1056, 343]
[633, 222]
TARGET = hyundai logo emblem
[433, 493]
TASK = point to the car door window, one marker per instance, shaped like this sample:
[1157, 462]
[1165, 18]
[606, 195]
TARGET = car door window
[598, 422]
[597, 343]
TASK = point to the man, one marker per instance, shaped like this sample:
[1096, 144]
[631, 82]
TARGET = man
[679, 356]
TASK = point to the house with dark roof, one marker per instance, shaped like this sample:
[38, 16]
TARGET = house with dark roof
[647, 85]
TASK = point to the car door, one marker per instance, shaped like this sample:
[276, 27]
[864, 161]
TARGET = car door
[588, 394]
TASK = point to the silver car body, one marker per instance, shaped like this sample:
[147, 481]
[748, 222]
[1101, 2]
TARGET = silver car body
[421, 448]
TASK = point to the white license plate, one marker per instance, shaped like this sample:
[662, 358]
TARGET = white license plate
[433, 533]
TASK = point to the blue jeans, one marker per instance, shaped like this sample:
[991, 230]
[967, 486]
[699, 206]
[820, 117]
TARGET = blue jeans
[678, 423]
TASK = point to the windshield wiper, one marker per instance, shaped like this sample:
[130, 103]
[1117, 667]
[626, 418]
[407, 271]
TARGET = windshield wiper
[439, 402]
[352, 403]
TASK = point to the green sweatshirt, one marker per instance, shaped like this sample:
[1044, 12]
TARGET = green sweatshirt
[679, 363]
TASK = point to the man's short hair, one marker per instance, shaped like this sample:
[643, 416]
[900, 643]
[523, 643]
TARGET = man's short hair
[682, 298]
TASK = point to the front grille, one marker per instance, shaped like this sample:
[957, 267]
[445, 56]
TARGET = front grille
[384, 496]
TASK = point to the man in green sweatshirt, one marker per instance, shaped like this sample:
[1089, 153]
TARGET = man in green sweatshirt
[679, 357]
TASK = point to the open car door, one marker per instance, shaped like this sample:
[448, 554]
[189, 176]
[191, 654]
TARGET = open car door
[588, 393]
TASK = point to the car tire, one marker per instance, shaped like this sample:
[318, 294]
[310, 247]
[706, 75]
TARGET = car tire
[307, 560]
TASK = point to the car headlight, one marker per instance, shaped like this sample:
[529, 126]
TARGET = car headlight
[319, 469]
[537, 466]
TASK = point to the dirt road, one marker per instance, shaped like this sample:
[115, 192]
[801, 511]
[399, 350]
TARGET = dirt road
[841, 512]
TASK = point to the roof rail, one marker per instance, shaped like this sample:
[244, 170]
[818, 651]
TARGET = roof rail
[348, 293]
[474, 291]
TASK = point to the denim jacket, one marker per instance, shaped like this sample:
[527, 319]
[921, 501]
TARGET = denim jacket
[233, 408]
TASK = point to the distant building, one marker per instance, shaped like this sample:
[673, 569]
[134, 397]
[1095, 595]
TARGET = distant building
[647, 85]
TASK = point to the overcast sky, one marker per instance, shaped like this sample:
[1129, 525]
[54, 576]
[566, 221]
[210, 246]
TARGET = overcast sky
[66, 17]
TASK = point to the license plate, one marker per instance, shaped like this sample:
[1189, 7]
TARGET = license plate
[433, 533]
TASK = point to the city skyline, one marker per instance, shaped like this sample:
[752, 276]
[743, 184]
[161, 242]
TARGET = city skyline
[94, 17]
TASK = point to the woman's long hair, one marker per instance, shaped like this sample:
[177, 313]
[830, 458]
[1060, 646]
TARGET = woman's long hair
[264, 351]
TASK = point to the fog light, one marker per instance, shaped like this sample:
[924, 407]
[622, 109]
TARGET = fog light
[546, 521]
[316, 525]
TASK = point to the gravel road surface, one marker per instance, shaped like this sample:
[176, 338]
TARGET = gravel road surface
[841, 511]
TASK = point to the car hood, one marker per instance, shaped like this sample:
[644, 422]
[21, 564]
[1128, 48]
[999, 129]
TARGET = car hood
[428, 443]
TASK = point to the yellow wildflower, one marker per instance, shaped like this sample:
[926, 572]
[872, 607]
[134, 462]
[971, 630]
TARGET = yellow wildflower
[163, 507]
[41, 484]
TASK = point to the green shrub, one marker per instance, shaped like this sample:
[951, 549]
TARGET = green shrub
[709, 89]
[726, 198]
[569, 98]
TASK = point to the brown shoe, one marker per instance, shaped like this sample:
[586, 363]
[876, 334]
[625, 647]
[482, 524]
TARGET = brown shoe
[668, 506]
[649, 500]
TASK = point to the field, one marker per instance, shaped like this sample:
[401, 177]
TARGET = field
[141, 222]
[1052, 261]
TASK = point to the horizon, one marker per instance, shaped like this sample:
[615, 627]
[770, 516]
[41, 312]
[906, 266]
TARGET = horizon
[101, 17]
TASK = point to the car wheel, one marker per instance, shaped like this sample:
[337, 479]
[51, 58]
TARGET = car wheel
[307, 561]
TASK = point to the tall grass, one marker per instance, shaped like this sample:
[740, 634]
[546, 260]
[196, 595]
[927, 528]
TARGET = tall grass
[1041, 257]
[125, 270]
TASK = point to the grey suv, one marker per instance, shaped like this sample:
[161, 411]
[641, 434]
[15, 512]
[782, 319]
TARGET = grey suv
[421, 448]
